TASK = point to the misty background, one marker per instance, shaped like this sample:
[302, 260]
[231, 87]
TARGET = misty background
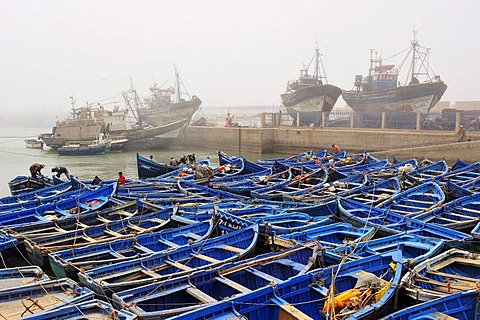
[237, 55]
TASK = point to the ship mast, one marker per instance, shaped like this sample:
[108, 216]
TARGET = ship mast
[177, 84]
[414, 49]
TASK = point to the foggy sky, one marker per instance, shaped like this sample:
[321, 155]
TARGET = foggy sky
[229, 53]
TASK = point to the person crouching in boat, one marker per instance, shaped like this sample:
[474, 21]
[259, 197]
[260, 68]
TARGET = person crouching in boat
[36, 170]
[335, 149]
[60, 171]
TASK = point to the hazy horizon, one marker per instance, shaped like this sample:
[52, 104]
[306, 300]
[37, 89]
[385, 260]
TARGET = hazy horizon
[228, 54]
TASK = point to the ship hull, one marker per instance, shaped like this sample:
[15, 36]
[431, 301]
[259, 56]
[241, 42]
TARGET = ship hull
[312, 99]
[160, 115]
[413, 98]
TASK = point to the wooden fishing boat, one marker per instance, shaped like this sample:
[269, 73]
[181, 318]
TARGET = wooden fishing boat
[328, 191]
[249, 167]
[392, 169]
[450, 272]
[44, 192]
[33, 143]
[94, 309]
[21, 276]
[327, 235]
[67, 263]
[416, 200]
[26, 300]
[457, 306]
[461, 176]
[85, 148]
[192, 189]
[376, 192]
[174, 263]
[22, 184]
[459, 214]
[427, 172]
[459, 163]
[180, 173]
[87, 202]
[78, 222]
[253, 183]
[149, 169]
[414, 249]
[303, 181]
[387, 223]
[302, 297]
[39, 247]
[175, 296]
[28, 204]
[7, 244]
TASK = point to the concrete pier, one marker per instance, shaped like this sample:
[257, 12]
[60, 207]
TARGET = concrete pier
[434, 145]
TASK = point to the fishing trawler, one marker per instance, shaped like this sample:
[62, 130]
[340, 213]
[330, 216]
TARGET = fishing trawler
[167, 105]
[310, 95]
[383, 91]
[87, 123]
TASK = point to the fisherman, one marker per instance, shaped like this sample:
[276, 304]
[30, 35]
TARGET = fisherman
[60, 171]
[173, 162]
[151, 157]
[121, 179]
[191, 158]
[183, 160]
[335, 149]
[36, 170]
[228, 120]
[461, 134]
[96, 181]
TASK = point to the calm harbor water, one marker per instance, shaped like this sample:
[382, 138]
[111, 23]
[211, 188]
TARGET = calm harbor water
[15, 158]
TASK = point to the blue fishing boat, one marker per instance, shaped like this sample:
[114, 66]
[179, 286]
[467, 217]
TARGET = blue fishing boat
[387, 223]
[450, 272]
[85, 148]
[21, 276]
[192, 189]
[22, 184]
[330, 235]
[303, 181]
[245, 186]
[181, 173]
[66, 263]
[27, 300]
[28, 204]
[414, 249]
[94, 309]
[68, 185]
[457, 306]
[328, 191]
[78, 222]
[376, 192]
[87, 202]
[459, 214]
[174, 263]
[429, 171]
[38, 248]
[7, 244]
[176, 296]
[416, 200]
[302, 297]
[461, 176]
[149, 169]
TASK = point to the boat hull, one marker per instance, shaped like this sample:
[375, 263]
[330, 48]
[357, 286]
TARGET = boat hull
[33, 144]
[163, 114]
[311, 101]
[413, 98]
[82, 150]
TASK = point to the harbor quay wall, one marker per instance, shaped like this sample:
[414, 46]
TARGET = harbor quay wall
[434, 145]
